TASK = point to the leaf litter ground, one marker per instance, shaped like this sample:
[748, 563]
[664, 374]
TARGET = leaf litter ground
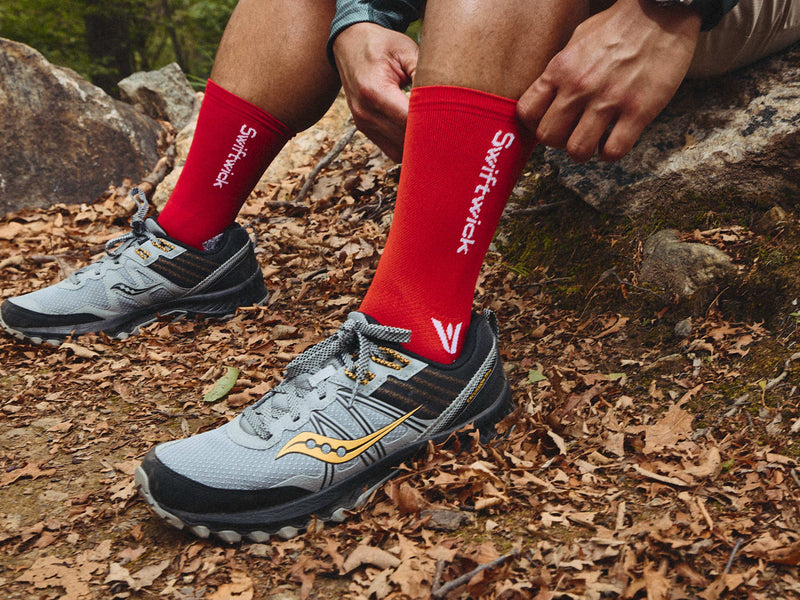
[636, 466]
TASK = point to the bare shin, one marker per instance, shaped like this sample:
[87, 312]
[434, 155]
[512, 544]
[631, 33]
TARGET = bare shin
[272, 54]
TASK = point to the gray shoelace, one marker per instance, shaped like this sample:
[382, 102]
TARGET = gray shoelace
[352, 346]
[138, 234]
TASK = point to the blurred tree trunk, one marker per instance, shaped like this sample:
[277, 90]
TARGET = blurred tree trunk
[169, 23]
[108, 40]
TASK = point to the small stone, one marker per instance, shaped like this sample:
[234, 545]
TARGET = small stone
[770, 221]
[683, 328]
[441, 519]
[683, 268]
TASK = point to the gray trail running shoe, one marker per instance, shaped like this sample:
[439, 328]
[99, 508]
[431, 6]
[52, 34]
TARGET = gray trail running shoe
[351, 409]
[143, 274]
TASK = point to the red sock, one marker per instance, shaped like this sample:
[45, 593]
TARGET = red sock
[233, 144]
[463, 154]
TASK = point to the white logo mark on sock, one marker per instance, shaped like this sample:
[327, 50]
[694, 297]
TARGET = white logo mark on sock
[449, 336]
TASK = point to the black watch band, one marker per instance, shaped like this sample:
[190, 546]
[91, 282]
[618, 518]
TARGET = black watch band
[674, 2]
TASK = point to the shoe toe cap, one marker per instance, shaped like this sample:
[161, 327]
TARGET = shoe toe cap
[17, 316]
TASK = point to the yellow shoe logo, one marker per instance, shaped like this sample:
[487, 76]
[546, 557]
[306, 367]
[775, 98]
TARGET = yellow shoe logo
[333, 451]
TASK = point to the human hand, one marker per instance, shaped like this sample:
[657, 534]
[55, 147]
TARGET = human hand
[374, 64]
[618, 71]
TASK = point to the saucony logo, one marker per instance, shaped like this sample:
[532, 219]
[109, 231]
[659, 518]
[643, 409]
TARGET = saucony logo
[448, 335]
[333, 451]
[131, 291]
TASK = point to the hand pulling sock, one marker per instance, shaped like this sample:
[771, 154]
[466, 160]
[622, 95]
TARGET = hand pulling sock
[462, 156]
[233, 144]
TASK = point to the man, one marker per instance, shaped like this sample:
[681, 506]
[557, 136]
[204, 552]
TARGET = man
[414, 364]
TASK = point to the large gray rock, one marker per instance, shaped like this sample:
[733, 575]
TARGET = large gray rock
[741, 130]
[63, 139]
[164, 94]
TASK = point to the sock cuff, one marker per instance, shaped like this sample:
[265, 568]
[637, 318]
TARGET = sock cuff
[447, 98]
[248, 110]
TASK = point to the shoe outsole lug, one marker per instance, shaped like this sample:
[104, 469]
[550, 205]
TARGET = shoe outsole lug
[259, 537]
[287, 532]
[339, 515]
[229, 536]
[200, 531]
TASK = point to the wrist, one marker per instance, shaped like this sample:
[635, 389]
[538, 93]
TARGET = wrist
[688, 10]
[676, 17]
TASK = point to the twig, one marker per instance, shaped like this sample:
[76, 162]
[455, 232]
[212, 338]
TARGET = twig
[42, 258]
[736, 546]
[437, 579]
[441, 592]
[326, 160]
[532, 210]
[786, 366]
[612, 272]
[157, 175]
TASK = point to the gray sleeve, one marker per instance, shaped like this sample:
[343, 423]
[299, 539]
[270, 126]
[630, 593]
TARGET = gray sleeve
[392, 14]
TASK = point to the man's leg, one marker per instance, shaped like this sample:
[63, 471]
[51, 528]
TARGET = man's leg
[356, 405]
[271, 78]
[464, 152]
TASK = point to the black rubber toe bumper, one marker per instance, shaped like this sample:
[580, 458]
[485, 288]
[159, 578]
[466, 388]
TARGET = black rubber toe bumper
[22, 319]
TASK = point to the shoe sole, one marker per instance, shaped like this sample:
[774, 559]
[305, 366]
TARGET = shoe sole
[219, 305]
[324, 509]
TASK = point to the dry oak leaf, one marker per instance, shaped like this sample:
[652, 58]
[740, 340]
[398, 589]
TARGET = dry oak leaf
[710, 465]
[52, 571]
[411, 578]
[780, 551]
[240, 588]
[658, 585]
[8, 231]
[32, 470]
[406, 498]
[674, 426]
[369, 555]
[79, 351]
[380, 586]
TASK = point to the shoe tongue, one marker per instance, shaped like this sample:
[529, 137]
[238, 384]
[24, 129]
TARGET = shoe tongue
[153, 227]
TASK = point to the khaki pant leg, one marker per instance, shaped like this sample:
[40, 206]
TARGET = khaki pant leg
[752, 30]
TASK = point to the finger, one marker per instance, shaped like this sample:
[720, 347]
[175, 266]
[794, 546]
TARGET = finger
[392, 103]
[587, 135]
[558, 123]
[407, 57]
[622, 138]
[535, 102]
[389, 146]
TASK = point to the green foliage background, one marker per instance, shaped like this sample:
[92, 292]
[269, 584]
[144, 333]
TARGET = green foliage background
[106, 40]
